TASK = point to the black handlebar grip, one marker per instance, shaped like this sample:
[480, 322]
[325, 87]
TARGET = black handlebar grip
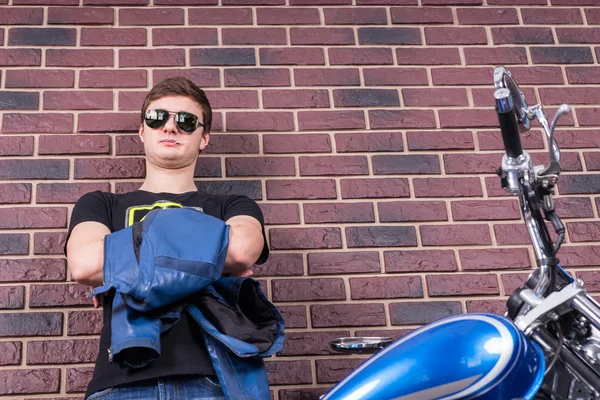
[508, 123]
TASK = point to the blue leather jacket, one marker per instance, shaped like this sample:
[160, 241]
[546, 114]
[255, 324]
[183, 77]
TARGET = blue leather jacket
[182, 252]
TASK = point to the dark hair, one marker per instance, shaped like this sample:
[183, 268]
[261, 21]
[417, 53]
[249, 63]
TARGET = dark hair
[180, 86]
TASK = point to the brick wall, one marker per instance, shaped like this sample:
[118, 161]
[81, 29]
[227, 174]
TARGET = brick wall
[364, 128]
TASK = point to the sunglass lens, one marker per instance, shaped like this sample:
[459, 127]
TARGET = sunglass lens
[186, 121]
[156, 118]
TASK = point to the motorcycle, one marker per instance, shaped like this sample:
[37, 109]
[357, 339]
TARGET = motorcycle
[546, 346]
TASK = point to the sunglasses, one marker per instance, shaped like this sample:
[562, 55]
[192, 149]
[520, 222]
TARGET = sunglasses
[186, 121]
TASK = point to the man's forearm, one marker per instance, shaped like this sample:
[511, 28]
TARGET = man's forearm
[245, 245]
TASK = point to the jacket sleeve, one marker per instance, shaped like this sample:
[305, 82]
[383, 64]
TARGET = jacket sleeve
[182, 251]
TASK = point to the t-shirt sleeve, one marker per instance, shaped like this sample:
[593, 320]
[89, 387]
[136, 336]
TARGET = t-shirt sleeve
[243, 205]
[92, 206]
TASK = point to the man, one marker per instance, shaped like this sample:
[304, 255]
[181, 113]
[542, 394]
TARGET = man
[175, 127]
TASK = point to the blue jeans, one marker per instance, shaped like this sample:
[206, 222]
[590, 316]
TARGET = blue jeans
[174, 388]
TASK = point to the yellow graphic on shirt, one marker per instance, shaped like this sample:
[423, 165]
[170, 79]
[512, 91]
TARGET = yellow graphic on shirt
[138, 213]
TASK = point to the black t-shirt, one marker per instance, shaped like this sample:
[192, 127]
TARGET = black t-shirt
[182, 349]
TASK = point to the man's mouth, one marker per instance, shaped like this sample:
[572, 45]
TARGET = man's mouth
[169, 142]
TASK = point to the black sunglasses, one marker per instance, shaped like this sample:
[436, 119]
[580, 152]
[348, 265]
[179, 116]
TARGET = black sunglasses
[186, 121]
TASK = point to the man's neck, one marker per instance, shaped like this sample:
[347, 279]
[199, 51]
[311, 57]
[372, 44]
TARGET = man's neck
[160, 180]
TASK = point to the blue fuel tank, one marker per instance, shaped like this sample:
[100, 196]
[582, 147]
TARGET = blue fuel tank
[469, 356]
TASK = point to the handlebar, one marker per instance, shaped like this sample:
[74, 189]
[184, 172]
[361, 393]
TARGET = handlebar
[509, 125]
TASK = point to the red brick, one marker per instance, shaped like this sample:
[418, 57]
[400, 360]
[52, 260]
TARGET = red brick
[389, 287]
[113, 37]
[262, 121]
[305, 238]
[371, 142]
[496, 56]
[333, 263]
[12, 297]
[511, 282]
[232, 144]
[497, 307]
[84, 323]
[254, 36]
[387, 2]
[81, 16]
[574, 207]
[229, 98]
[288, 372]
[452, 2]
[78, 100]
[309, 143]
[295, 189]
[185, 2]
[152, 58]
[34, 169]
[27, 381]
[59, 295]
[482, 210]
[584, 231]
[130, 145]
[561, 55]
[10, 353]
[288, 16]
[551, 16]
[117, 2]
[42, 36]
[464, 36]
[569, 161]
[22, 16]
[109, 122]
[326, 77]
[487, 16]
[14, 193]
[338, 213]
[420, 261]
[16, 146]
[485, 97]
[511, 234]
[79, 58]
[468, 119]
[538, 75]
[30, 324]
[32, 269]
[292, 56]
[412, 211]
[31, 78]
[322, 36]
[406, 164]
[354, 16]
[421, 15]
[184, 36]
[220, 16]
[365, 97]
[374, 188]
[386, 119]
[310, 343]
[62, 351]
[20, 57]
[571, 95]
[295, 98]
[435, 97]
[151, 16]
[592, 161]
[308, 289]
[522, 35]
[43, 2]
[428, 56]
[461, 285]
[439, 140]
[202, 77]
[588, 116]
[253, 2]
[391, 36]
[326, 120]
[573, 2]
[579, 256]
[223, 56]
[260, 166]
[10, 100]
[462, 76]
[455, 235]
[395, 76]
[106, 168]
[517, 2]
[472, 163]
[78, 379]
[591, 280]
[249, 188]
[130, 100]
[422, 312]
[360, 56]
[49, 243]
[381, 236]
[66, 192]
[330, 315]
[261, 77]
[208, 166]
[494, 259]
[33, 217]
[333, 165]
[280, 214]
[578, 35]
[113, 79]
[288, 264]
[333, 371]
[76, 144]
[14, 243]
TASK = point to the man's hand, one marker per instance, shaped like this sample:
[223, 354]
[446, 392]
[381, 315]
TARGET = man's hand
[95, 299]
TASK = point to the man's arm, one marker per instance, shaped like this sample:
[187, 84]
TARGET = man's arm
[245, 243]
[85, 252]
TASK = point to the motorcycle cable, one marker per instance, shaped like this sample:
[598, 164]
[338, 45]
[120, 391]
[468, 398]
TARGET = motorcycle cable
[561, 341]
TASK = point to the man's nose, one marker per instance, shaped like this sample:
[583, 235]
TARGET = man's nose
[170, 126]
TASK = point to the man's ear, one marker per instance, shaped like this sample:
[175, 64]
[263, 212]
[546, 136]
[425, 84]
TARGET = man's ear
[141, 132]
[204, 141]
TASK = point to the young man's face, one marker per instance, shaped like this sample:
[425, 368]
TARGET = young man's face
[169, 146]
